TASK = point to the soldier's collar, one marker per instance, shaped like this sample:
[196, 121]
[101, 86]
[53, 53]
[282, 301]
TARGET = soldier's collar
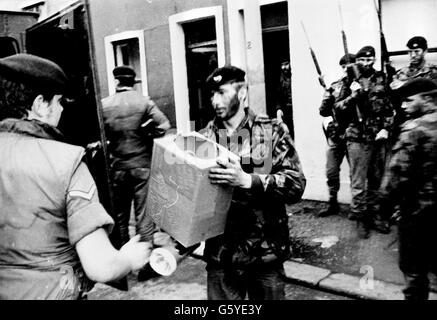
[124, 88]
[34, 128]
[247, 120]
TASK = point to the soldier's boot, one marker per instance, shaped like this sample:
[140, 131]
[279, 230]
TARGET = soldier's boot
[147, 273]
[352, 216]
[333, 209]
[363, 227]
[381, 225]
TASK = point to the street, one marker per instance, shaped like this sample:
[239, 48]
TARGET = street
[189, 283]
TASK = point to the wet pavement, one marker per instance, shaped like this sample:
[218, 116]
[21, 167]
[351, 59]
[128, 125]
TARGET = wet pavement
[330, 242]
[189, 283]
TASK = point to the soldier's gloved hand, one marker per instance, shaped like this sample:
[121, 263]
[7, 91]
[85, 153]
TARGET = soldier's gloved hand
[382, 135]
[136, 253]
[396, 84]
[279, 115]
[355, 88]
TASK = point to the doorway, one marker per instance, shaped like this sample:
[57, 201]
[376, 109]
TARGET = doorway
[201, 59]
[277, 72]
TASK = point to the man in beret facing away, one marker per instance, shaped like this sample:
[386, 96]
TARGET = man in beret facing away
[248, 258]
[369, 113]
[132, 121]
[53, 229]
[411, 183]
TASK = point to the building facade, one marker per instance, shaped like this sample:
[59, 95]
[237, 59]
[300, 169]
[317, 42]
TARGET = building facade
[174, 44]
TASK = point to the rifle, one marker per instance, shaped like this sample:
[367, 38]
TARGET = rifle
[321, 81]
[356, 73]
[385, 56]
[313, 55]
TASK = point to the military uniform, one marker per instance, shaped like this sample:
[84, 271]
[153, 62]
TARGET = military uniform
[256, 237]
[425, 70]
[411, 182]
[48, 202]
[284, 96]
[366, 115]
[335, 136]
[247, 259]
[125, 113]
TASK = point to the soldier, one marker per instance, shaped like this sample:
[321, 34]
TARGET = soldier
[335, 136]
[53, 229]
[248, 258]
[369, 113]
[284, 107]
[131, 123]
[411, 181]
[418, 68]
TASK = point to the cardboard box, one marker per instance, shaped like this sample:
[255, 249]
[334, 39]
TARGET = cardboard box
[181, 199]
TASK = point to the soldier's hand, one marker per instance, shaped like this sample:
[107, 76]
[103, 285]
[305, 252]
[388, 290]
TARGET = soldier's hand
[382, 135]
[396, 84]
[94, 145]
[230, 173]
[355, 88]
[136, 253]
[279, 115]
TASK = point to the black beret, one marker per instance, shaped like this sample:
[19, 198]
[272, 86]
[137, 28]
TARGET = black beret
[226, 74]
[415, 86]
[34, 71]
[347, 58]
[123, 72]
[417, 42]
[367, 51]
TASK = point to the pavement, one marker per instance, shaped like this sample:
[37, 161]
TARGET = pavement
[328, 257]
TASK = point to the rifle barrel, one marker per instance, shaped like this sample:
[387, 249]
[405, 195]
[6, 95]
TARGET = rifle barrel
[313, 56]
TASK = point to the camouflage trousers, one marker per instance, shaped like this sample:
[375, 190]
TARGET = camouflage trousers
[334, 158]
[367, 163]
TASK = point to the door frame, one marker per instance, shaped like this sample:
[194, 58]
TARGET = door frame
[179, 63]
[110, 59]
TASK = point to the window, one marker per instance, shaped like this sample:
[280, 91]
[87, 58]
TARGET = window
[127, 49]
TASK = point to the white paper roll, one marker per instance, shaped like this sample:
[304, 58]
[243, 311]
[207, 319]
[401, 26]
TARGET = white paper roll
[163, 261]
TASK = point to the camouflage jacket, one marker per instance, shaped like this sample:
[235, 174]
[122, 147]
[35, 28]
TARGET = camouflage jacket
[411, 178]
[335, 129]
[257, 224]
[426, 70]
[369, 112]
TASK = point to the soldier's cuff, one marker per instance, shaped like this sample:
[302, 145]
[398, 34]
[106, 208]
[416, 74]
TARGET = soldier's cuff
[257, 188]
[87, 220]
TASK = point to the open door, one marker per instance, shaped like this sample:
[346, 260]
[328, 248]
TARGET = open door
[66, 38]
